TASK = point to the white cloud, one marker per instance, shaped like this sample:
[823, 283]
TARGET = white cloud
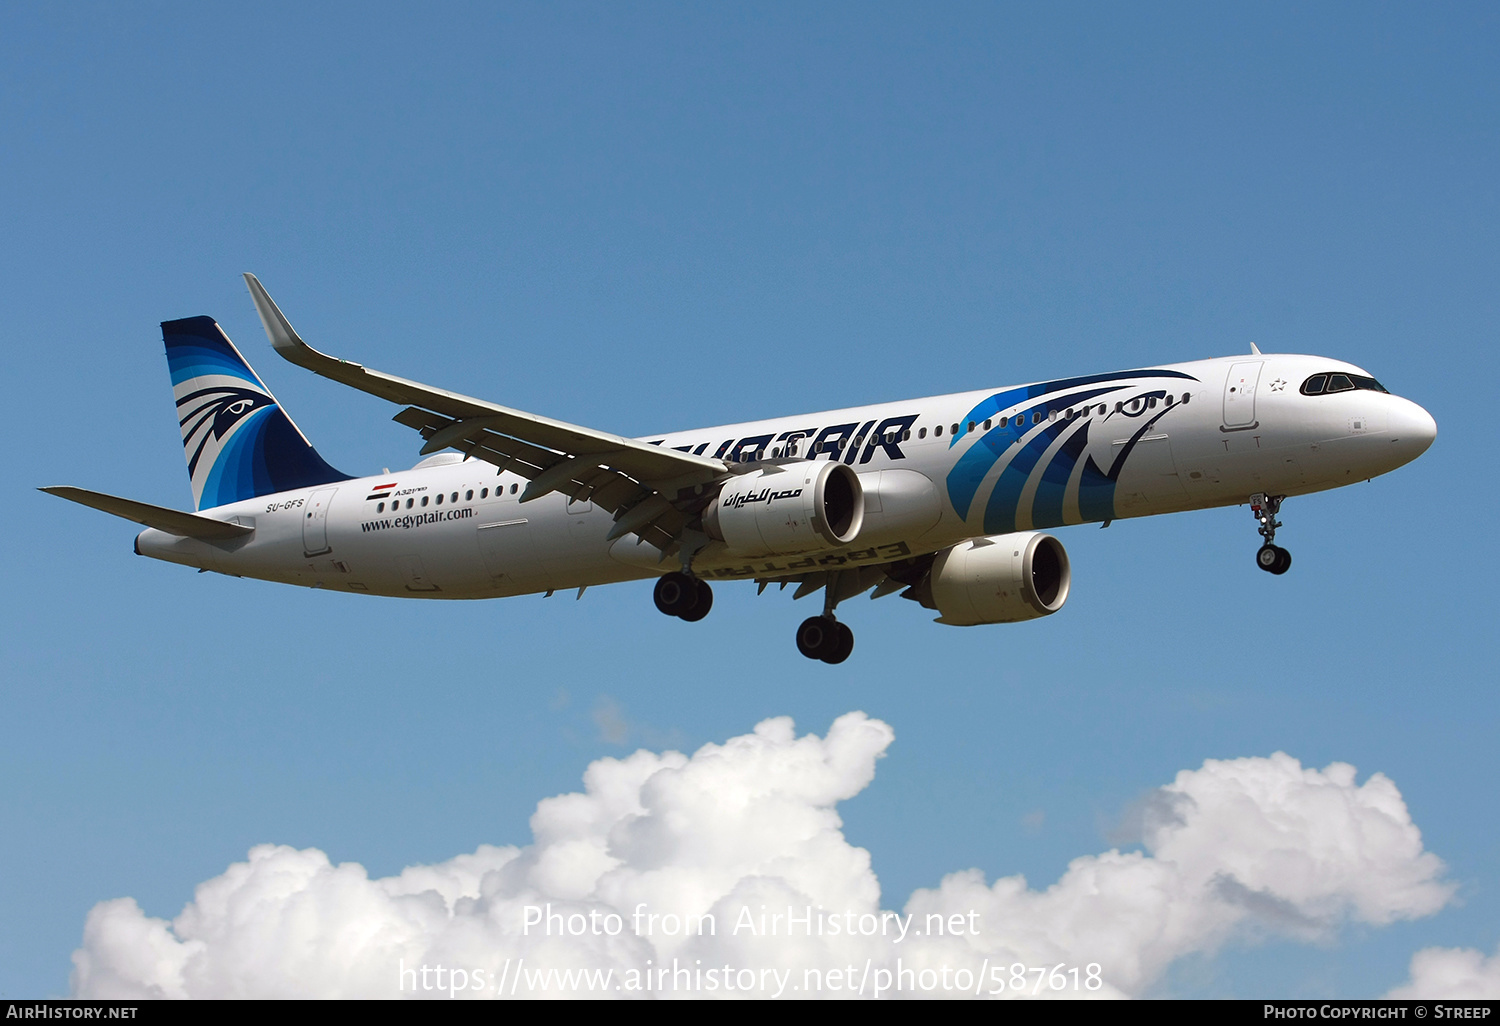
[751, 827]
[1246, 845]
[1451, 974]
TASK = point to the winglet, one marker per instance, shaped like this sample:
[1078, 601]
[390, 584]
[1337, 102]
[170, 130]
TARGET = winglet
[279, 330]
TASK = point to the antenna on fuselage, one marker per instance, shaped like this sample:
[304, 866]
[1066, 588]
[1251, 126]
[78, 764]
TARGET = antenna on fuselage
[1254, 349]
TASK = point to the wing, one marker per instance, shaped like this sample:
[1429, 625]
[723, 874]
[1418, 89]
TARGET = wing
[653, 492]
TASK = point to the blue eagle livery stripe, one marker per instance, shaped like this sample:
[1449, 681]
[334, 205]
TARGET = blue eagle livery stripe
[1031, 427]
[238, 442]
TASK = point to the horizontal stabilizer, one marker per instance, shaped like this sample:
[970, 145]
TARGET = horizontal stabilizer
[172, 521]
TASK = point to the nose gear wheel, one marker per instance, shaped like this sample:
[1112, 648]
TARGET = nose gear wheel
[1273, 559]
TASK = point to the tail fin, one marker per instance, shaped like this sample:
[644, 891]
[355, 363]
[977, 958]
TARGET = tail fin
[239, 443]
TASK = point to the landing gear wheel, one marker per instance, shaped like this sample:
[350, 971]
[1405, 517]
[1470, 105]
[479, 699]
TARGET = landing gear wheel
[1273, 559]
[677, 594]
[840, 645]
[704, 604]
[824, 638]
[813, 636]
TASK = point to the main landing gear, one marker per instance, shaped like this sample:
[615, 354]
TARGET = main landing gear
[689, 598]
[683, 596]
[823, 637]
[1271, 557]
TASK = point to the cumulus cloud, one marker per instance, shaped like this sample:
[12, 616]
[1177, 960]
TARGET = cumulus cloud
[727, 872]
[1451, 974]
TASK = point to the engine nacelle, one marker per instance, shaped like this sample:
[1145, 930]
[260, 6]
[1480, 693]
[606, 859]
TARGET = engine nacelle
[803, 506]
[1000, 579]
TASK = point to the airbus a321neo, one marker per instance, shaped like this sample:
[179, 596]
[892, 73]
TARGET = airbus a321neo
[941, 499]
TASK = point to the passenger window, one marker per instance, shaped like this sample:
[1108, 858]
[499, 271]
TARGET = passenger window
[439, 499]
[1186, 396]
[380, 508]
[937, 432]
[1339, 383]
[1151, 403]
[469, 495]
[453, 497]
[424, 500]
[971, 425]
[955, 429]
[484, 493]
[512, 489]
[986, 425]
[1003, 421]
[410, 501]
[922, 433]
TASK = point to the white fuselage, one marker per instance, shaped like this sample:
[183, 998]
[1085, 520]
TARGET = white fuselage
[1088, 449]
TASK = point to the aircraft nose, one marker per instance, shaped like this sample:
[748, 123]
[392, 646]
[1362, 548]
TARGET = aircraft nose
[1412, 429]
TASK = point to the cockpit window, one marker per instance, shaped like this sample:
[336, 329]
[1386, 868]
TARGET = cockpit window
[1327, 383]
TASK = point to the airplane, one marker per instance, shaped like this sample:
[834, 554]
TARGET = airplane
[943, 499]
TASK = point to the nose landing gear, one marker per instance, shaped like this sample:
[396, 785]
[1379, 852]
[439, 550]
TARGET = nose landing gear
[1271, 557]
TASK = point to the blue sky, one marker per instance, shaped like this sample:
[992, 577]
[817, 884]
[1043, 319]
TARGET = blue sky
[652, 217]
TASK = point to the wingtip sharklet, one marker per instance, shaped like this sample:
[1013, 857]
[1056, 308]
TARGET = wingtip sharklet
[278, 329]
[284, 337]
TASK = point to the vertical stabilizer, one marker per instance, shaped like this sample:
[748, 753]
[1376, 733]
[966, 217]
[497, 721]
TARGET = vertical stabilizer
[239, 443]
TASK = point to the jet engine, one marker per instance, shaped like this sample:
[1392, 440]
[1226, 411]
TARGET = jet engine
[780, 510]
[999, 579]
